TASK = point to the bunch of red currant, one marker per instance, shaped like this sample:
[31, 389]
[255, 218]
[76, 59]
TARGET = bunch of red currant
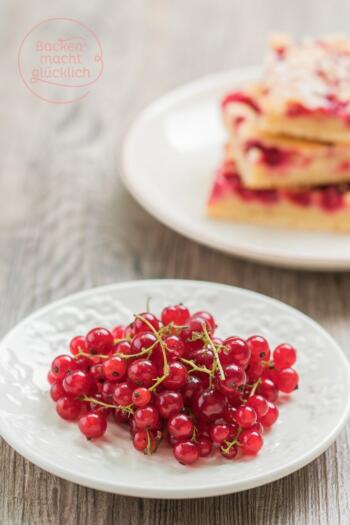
[172, 378]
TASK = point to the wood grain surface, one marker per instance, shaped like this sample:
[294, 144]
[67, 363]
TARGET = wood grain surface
[66, 223]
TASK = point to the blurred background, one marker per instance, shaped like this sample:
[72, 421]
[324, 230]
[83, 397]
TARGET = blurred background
[66, 222]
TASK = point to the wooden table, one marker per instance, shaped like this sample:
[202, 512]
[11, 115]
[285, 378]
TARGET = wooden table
[66, 223]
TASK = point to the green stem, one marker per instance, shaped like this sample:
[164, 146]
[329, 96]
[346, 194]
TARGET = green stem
[163, 349]
[217, 364]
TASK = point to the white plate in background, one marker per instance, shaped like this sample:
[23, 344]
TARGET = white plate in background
[169, 158]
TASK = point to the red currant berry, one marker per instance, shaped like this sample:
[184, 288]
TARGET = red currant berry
[181, 426]
[99, 341]
[68, 408]
[219, 433]
[254, 370]
[208, 318]
[203, 358]
[51, 378]
[204, 446]
[186, 452]
[230, 414]
[257, 427]
[230, 453]
[93, 425]
[77, 383]
[97, 373]
[209, 405]
[169, 404]
[259, 404]
[121, 416]
[143, 325]
[235, 351]
[122, 394]
[107, 392]
[77, 345]
[62, 365]
[234, 377]
[284, 356]
[259, 348]
[271, 416]
[143, 341]
[144, 441]
[268, 390]
[118, 332]
[177, 376]
[123, 348]
[142, 372]
[175, 347]
[177, 315]
[114, 368]
[199, 324]
[287, 380]
[246, 416]
[235, 398]
[141, 396]
[147, 417]
[83, 363]
[129, 331]
[193, 385]
[57, 391]
[250, 442]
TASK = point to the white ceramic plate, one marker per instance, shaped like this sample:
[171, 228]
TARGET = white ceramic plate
[309, 421]
[169, 158]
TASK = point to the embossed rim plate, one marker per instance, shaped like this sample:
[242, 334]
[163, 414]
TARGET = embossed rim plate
[307, 425]
[168, 161]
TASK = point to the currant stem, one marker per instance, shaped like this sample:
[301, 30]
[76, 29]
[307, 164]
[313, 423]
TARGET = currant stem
[196, 368]
[230, 444]
[127, 408]
[218, 364]
[163, 349]
[254, 387]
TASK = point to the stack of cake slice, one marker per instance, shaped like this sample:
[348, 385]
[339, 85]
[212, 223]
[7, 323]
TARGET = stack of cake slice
[287, 158]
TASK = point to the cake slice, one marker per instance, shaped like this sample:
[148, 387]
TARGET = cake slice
[307, 89]
[277, 161]
[325, 208]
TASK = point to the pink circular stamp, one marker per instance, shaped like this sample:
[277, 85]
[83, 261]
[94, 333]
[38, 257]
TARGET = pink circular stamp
[59, 60]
